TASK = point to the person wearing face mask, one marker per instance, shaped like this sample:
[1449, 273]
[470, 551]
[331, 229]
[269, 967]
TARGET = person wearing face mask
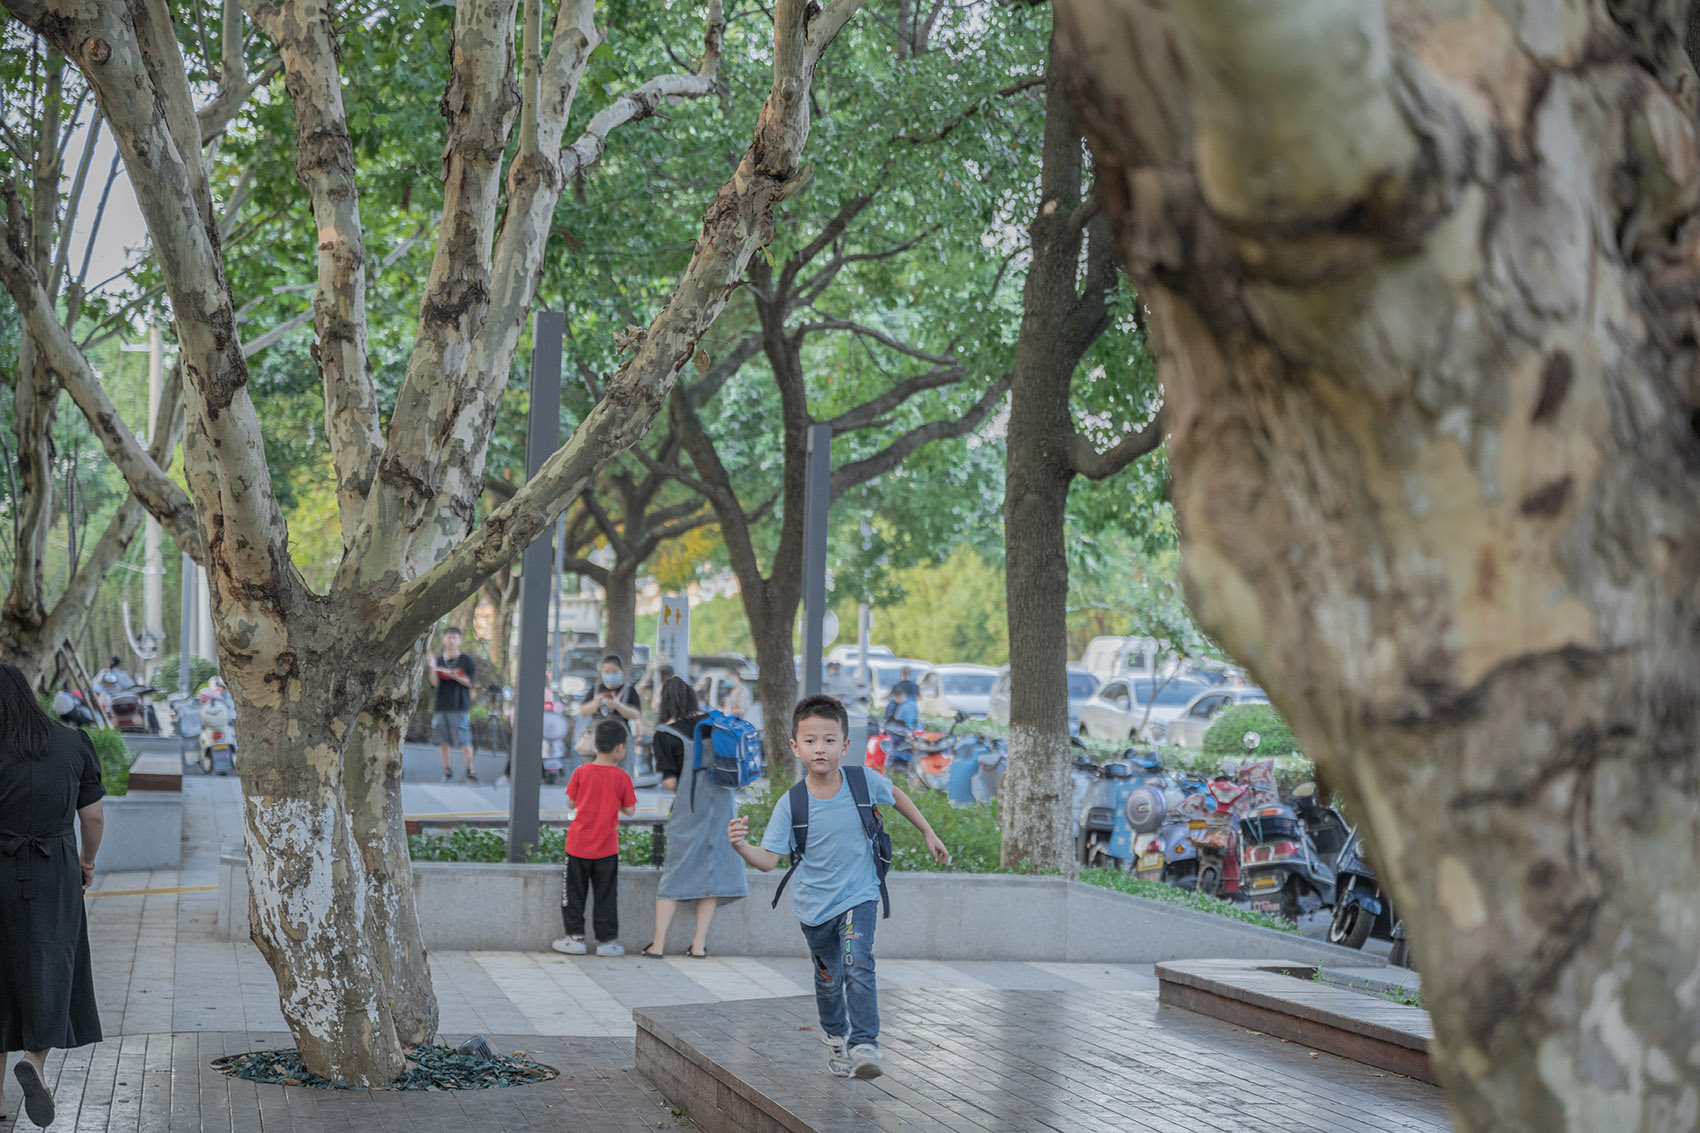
[614, 696]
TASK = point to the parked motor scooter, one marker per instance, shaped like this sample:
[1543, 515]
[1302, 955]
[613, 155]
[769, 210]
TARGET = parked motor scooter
[1361, 909]
[977, 771]
[218, 729]
[1103, 812]
[935, 752]
[70, 709]
[130, 711]
[1165, 853]
[1216, 836]
[890, 748]
[1289, 855]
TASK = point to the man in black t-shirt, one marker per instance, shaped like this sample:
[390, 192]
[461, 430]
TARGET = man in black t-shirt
[614, 696]
[451, 721]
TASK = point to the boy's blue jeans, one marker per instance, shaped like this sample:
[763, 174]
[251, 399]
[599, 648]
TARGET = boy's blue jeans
[843, 954]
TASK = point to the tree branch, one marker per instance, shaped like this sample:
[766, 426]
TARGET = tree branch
[877, 336]
[141, 471]
[324, 164]
[1087, 461]
[874, 408]
[706, 388]
[737, 222]
[861, 471]
[215, 117]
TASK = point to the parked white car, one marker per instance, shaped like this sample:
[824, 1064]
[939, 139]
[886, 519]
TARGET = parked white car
[1195, 719]
[1081, 686]
[950, 689]
[849, 655]
[1137, 708]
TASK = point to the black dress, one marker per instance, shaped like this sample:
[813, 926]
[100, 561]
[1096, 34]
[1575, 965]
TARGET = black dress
[46, 985]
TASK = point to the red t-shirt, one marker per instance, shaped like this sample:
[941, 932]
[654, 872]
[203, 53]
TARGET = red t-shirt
[599, 791]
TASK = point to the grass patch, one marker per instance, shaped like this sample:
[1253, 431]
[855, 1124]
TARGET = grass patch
[1157, 891]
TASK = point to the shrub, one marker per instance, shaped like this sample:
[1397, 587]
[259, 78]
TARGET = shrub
[201, 670]
[1157, 891]
[1224, 738]
[485, 844]
[115, 759]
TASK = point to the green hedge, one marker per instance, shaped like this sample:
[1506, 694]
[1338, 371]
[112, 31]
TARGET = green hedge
[1157, 891]
[115, 759]
[201, 670]
[1225, 737]
[481, 844]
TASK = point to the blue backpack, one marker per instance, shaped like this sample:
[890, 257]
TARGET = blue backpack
[732, 754]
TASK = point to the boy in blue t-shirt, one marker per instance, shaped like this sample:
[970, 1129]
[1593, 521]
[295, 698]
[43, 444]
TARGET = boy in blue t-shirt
[836, 891]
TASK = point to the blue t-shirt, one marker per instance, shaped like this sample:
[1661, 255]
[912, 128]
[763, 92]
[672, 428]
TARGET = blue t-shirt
[908, 714]
[838, 865]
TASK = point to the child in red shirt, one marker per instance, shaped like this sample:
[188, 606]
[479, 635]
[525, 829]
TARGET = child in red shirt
[600, 792]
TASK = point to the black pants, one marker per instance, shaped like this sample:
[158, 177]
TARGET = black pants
[583, 876]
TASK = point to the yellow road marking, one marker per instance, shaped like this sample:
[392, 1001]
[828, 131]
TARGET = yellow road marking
[150, 892]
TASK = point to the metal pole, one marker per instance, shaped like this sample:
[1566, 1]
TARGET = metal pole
[153, 562]
[555, 590]
[542, 438]
[864, 630]
[817, 503]
[185, 606]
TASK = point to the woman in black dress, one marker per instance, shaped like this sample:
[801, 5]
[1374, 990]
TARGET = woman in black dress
[48, 775]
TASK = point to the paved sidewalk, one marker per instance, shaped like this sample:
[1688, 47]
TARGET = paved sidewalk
[172, 997]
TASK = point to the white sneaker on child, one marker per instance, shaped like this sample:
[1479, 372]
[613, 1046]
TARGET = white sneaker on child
[611, 948]
[865, 1061]
[837, 1056]
[571, 945]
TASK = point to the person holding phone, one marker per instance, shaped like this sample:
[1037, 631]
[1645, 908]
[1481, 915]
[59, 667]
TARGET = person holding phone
[451, 713]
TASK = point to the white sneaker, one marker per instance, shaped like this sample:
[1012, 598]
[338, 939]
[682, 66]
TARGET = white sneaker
[865, 1061]
[571, 945]
[611, 948]
[837, 1057]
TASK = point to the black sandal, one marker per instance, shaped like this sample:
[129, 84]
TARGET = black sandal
[703, 955]
[38, 1100]
[652, 955]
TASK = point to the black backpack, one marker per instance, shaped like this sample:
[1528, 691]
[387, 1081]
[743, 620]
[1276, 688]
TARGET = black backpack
[857, 779]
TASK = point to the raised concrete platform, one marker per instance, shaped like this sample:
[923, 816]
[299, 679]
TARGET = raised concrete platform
[935, 916]
[970, 1062]
[1281, 999]
[144, 831]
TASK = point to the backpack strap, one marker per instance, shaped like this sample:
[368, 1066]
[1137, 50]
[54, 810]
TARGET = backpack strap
[856, 778]
[799, 795]
[696, 753]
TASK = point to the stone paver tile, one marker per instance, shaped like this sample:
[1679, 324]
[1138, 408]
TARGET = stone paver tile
[1104, 977]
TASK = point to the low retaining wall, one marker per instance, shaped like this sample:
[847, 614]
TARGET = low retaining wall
[144, 830]
[935, 916]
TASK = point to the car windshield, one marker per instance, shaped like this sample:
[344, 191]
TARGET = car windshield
[1081, 685]
[1174, 693]
[969, 684]
[583, 660]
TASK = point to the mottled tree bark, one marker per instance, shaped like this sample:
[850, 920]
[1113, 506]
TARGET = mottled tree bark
[315, 677]
[1061, 317]
[1423, 285]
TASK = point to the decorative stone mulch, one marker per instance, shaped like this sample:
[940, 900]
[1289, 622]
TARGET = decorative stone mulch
[428, 1068]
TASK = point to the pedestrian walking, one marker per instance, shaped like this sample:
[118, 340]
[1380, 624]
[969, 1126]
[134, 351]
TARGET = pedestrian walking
[829, 827]
[49, 776]
[700, 865]
[600, 793]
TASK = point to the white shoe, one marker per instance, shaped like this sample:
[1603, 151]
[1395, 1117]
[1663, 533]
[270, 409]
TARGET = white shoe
[865, 1061]
[571, 945]
[837, 1057]
[611, 948]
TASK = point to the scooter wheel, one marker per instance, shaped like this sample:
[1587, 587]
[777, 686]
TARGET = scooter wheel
[1350, 925]
[1209, 881]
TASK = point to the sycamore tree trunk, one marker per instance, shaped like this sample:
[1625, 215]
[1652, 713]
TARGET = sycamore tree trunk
[1061, 317]
[1423, 291]
[620, 631]
[316, 675]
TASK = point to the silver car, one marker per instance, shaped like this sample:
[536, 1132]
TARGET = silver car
[950, 689]
[1195, 719]
[1081, 686]
[1137, 708]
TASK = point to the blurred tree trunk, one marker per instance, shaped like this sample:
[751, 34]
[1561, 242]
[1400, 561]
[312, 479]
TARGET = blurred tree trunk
[1423, 284]
[1062, 314]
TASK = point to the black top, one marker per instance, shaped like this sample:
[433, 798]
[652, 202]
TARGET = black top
[670, 751]
[625, 693]
[47, 982]
[452, 696]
